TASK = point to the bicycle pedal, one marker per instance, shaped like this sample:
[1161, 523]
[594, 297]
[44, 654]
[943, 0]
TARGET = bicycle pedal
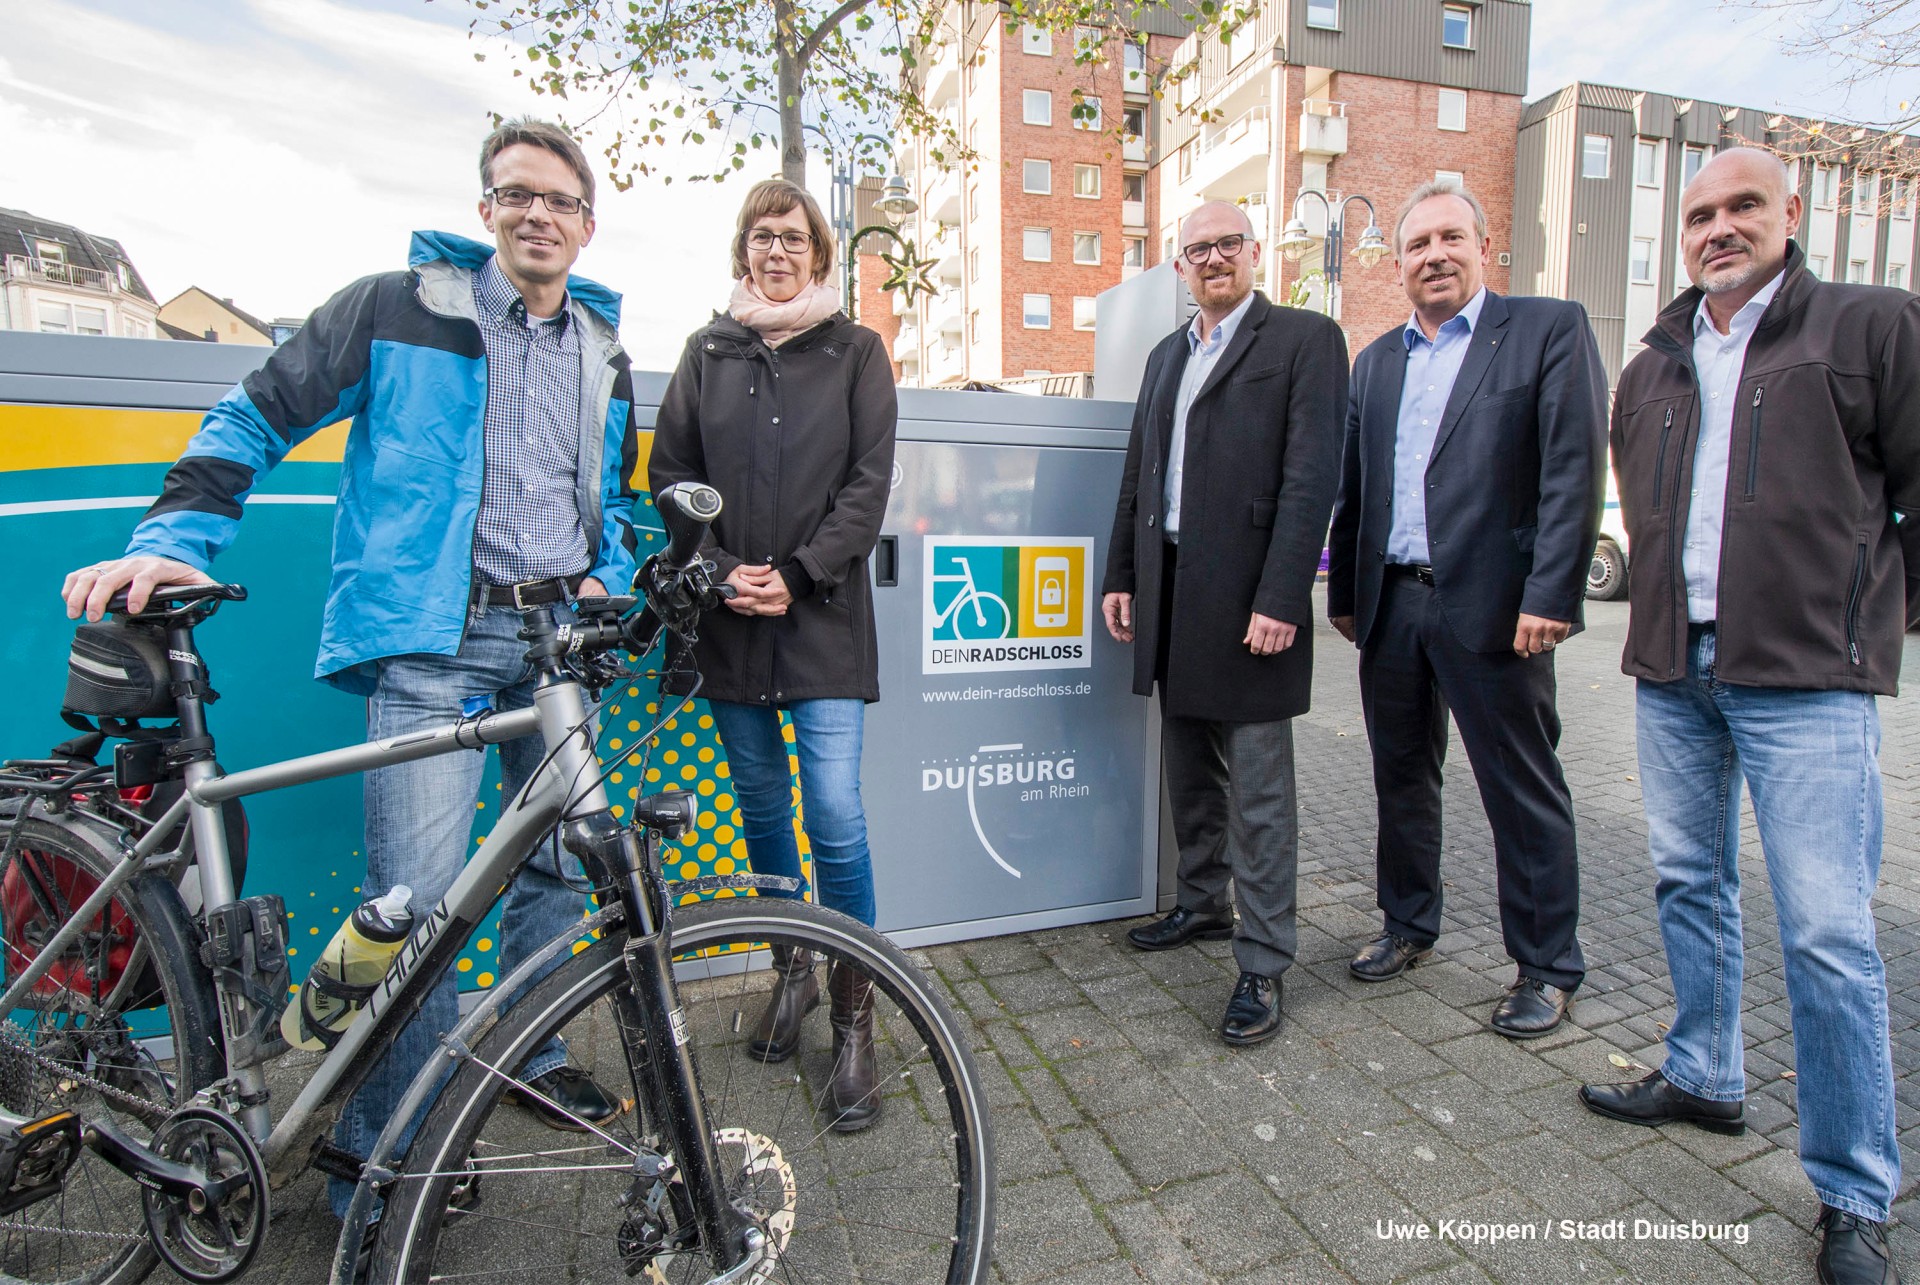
[34, 1159]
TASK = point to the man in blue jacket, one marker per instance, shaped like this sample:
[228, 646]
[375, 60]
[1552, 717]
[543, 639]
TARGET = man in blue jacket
[487, 465]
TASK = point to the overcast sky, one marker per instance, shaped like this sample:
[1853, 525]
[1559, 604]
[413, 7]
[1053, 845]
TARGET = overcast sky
[273, 150]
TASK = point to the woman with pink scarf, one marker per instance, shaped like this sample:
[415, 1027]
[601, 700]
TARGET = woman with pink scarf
[787, 408]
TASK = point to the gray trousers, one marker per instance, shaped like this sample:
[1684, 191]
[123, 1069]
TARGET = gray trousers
[1230, 790]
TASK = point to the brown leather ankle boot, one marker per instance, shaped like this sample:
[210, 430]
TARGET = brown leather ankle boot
[796, 992]
[853, 1097]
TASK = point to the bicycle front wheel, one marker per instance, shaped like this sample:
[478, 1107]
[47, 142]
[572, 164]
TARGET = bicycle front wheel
[908, 1199]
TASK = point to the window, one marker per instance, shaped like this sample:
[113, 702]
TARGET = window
[1036, 40]
[1036, 245]
[51, 253]
[973, 204]
[134, 328]
[1646, 162]
[124, 275]
[1450, 176]
[1897, 195]
[1036, 107]
[1857, 271]
[89, 321]
[1691, 160]
[1133, 122]
[1823, 186]
[1453, 109]
[1640, 262]
[1036, 311]
[973, 264]
[1086, 247]
[1083, 312]
[1086, 114]
[1866, 193]
[1596, 156]
[1133, 252]
[973, 326]
[1817, 265]
[55, 318]
[1086, 180]
[1087, 42]
[1324, 14]
[1133, 56]
[1897, 276]
[1456, 26]
[1133, 187]
[1036, 177]
[1186, 161]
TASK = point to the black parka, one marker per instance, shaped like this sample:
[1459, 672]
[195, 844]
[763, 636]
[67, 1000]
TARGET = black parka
[799, 442]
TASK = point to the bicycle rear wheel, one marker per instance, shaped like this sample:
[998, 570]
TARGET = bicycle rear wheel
[908, 1199]
[121, 1028]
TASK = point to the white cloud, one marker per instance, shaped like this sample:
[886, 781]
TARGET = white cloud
[274, 158]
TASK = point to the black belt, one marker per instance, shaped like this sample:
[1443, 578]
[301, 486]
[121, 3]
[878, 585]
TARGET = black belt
[528, 593]
[1417, 570]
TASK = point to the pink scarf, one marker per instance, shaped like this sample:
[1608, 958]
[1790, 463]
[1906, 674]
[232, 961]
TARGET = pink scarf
[779, 322]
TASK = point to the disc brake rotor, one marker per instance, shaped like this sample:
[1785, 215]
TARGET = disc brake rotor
[764, 1183]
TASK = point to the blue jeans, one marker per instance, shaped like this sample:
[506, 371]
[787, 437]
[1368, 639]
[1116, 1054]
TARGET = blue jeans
[418, 819]
[826, 735]
[1811, 759]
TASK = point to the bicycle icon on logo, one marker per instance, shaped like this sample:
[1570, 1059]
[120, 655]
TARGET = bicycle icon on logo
[989, 618]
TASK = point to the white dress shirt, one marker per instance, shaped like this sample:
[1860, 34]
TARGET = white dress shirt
[1433, 366]
[1718, 359]
[1203, 353]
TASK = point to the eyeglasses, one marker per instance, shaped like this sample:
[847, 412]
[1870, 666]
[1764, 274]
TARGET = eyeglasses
[792, 242]
[1228, 246]
[519, 198]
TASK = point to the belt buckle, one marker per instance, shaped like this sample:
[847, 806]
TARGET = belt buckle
[520, 604]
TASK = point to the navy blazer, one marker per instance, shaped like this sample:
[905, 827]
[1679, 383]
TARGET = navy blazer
[1515, 480]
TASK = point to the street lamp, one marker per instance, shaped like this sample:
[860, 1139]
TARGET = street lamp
[1296, 240]
[907, 272]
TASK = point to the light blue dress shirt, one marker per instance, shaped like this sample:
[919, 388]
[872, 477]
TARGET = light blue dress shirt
[1432, 366]
[1202, 356]
[1718, 359]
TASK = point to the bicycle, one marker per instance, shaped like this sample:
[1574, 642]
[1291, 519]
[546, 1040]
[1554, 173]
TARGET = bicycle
[116, 1150]
[971, 595]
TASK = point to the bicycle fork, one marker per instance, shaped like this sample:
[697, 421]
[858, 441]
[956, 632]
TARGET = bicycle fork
[655, 1038]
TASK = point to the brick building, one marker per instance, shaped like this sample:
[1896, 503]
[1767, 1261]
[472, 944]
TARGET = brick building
[1350, 99]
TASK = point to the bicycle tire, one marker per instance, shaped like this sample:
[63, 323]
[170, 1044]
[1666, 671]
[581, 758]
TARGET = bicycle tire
[55, 1051]
[931, 1147]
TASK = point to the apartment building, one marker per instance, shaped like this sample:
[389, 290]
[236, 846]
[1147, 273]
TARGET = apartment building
[1600, 170]
[1350, 98]
[56, 278]
[1052, 210]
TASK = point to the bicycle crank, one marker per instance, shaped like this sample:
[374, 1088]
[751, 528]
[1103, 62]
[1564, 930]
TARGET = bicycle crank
[210, 1230]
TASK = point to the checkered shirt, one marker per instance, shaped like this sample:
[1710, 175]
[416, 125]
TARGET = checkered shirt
[529, 526]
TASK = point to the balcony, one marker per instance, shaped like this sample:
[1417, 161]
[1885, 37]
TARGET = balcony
[21, 267]
[1228, 158]
[1133, 149]
[943, 77]
[1133, 214]
[1323, 127]
[945, 316]
[906, 344]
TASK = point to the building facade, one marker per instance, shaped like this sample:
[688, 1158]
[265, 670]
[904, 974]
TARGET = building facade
[1348, 98]
[200, 314]
[1599, 172]
[56, 278]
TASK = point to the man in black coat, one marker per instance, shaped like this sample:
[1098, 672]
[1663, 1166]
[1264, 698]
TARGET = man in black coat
[1223, 505]
[1469, 503]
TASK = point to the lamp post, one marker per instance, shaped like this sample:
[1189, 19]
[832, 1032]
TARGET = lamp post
[907, 272]
[1296, 240]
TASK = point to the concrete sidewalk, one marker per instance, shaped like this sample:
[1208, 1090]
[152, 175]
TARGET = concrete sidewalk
[1134, 1146]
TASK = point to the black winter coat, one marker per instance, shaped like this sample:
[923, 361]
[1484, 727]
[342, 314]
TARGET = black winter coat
[799, 443]
[1262, 463]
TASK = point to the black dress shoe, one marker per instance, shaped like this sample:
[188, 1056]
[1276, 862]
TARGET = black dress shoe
[1180, 927]
[1657, 1100]
[1853, 1250]
[564, 1097]
[1387, 956]
[1253, 1014]
[1532, 1008]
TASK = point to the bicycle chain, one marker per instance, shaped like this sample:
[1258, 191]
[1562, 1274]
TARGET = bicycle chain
[50, 1229]
[148, 1110]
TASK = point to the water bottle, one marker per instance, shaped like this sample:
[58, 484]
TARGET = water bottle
[353, 963]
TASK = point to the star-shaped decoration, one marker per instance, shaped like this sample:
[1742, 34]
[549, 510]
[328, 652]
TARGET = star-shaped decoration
[908, 273]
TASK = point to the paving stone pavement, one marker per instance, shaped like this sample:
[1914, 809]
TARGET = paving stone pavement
[1134, 1146]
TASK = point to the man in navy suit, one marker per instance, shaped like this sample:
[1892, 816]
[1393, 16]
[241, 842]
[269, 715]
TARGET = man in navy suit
[1469, 504]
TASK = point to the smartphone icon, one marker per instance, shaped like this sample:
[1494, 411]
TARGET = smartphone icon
[1050, 602]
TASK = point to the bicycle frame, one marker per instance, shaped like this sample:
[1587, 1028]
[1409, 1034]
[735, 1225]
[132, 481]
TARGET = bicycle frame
[567, 789]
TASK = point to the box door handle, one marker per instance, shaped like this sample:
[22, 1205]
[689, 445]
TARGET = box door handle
[886, 562]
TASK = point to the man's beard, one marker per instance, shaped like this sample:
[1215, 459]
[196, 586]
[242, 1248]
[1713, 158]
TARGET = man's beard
[1722, 280]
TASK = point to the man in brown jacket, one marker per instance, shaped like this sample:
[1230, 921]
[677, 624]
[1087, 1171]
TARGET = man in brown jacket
[1764, 441]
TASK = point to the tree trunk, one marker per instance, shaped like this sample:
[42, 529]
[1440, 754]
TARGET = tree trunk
[793, 146]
